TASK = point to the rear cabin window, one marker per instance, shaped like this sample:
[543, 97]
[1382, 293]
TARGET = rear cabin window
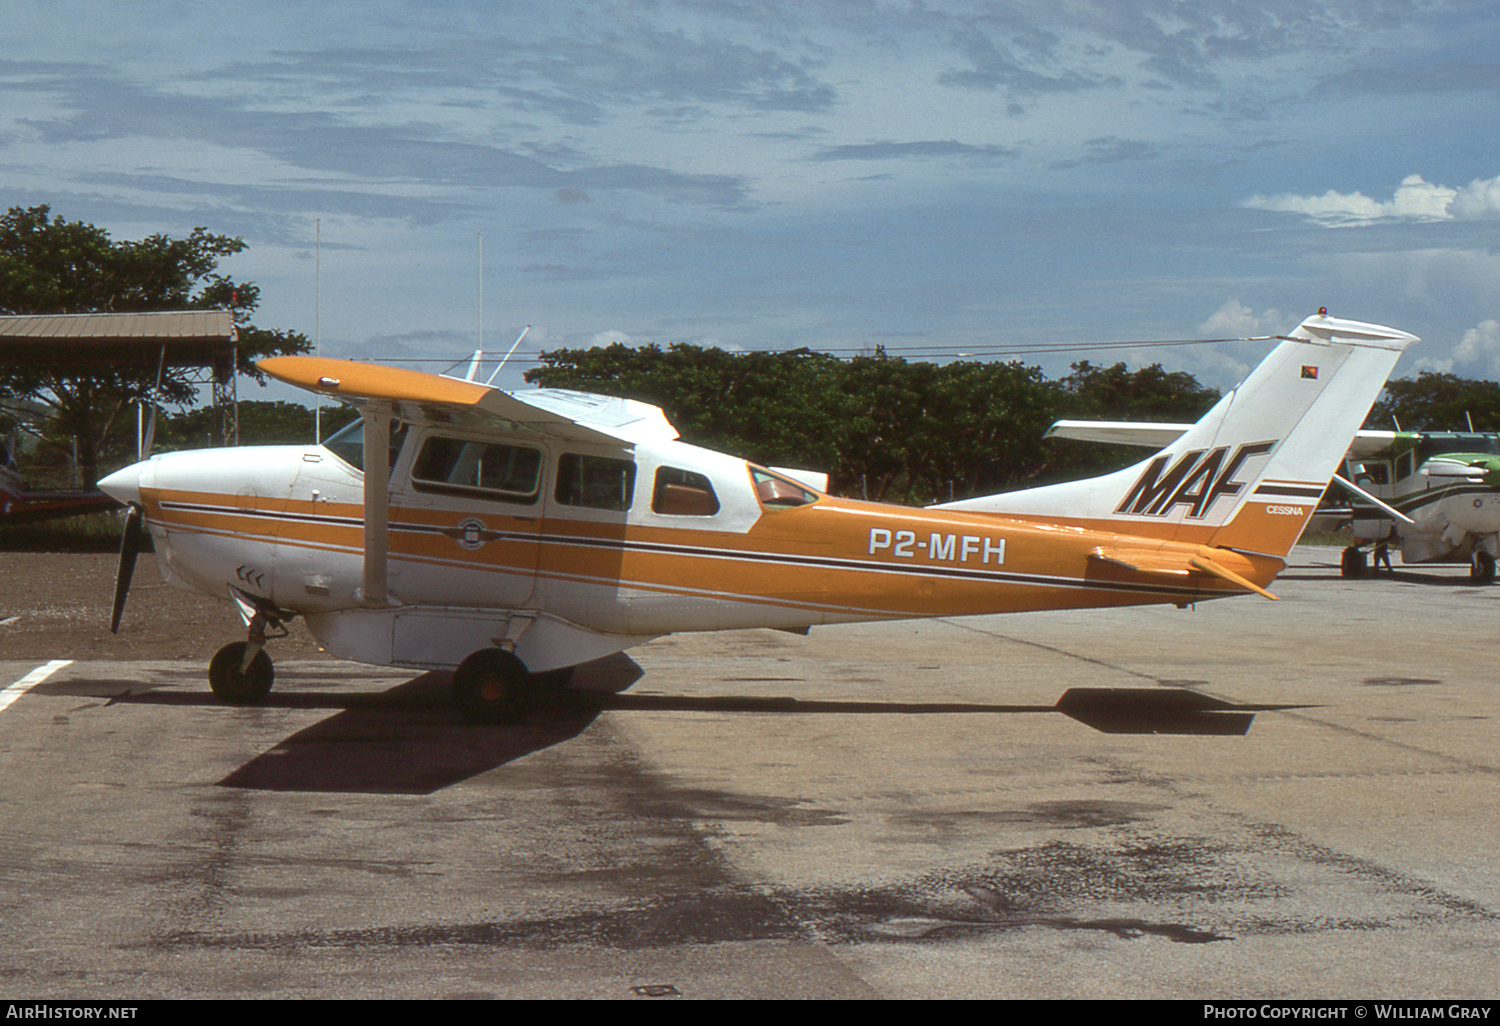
[683, 493]
[454, 466]
[595, 482]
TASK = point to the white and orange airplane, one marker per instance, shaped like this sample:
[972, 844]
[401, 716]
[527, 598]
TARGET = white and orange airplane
[513, 536]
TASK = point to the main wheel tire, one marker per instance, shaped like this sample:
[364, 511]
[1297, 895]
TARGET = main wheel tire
[1352, 563]
[234, 687]
[1482, 567]
[492, 685]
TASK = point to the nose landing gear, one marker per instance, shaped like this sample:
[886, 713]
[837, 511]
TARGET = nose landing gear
[240, 673]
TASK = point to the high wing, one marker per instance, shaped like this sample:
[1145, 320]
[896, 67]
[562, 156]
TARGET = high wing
[416, 397]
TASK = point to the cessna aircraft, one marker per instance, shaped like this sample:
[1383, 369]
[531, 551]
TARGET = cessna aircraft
[20, 506]
[1434, 494]
[516, 535]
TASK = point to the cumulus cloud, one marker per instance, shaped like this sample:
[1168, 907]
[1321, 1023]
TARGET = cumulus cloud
[1415, 199]
[1236, 320]
[1477, 353]
[1479, 199]
[614, 336]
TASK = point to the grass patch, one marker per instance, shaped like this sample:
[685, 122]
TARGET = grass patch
[93, 532]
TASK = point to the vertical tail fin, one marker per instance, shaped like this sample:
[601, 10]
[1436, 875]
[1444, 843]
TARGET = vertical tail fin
[1248, 475]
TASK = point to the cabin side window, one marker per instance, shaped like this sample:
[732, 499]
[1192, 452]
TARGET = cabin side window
[683, 493]
[455, 466]
[595, 482]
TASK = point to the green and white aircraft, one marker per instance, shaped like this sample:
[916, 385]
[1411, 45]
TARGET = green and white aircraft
[1435, 495]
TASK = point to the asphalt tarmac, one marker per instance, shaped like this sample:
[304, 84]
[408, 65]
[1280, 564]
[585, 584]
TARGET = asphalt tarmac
[891, 810]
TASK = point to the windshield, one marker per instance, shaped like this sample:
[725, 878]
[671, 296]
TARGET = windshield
[779, 492]
[348, 443]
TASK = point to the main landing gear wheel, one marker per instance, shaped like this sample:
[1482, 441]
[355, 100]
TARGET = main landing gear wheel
[1482, 566]
[492, 685]
[233, 681]
[1352, 563]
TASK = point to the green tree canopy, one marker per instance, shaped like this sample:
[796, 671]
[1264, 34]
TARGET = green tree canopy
[1437, 402]
[261, 423]
[1116, 393]
[52, 266]
[881, 427]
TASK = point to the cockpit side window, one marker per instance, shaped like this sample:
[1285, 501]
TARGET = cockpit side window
[456, 466]
[595, 482]
[348, 443]
[683, 493]
[778, 492]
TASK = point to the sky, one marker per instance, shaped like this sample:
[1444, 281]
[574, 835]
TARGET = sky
[1051, 181]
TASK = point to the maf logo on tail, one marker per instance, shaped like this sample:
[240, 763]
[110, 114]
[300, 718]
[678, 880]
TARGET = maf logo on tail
[1198, 479]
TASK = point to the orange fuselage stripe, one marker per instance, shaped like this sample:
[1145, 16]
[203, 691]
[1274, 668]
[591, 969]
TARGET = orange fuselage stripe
[834, 555]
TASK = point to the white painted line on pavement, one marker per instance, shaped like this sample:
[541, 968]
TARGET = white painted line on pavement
[30, 681]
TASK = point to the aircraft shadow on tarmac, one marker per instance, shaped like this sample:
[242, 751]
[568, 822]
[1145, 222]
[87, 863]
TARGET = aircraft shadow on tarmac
[409, 740]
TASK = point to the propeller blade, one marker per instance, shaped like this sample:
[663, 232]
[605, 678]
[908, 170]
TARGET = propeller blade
[130, 547]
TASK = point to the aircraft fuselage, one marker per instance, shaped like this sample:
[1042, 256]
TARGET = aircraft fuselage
[286, 525]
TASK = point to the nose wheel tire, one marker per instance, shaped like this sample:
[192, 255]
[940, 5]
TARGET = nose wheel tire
[235, 683]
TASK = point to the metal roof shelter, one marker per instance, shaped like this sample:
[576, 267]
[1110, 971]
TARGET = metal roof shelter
[205, 340]
[177, 338]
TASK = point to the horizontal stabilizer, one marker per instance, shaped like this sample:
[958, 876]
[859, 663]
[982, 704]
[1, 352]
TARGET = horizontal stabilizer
[1159, 711]
[1143, 434]
[1181, 561]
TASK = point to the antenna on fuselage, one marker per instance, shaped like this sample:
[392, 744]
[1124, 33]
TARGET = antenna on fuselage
[318, 322]
[512, 349]
[479, 347]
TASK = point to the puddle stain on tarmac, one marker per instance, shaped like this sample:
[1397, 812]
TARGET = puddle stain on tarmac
[1131, 885]
[1104, 868]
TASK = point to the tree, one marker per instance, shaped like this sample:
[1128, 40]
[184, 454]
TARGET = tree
[881, 427]
[767, 407]
[1114, 393]
[1437, 402]
[52, 266]
[260, 422]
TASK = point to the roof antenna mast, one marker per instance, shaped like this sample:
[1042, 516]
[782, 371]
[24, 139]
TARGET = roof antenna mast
[478, 356]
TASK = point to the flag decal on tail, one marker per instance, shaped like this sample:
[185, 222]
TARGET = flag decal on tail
[1310, 372]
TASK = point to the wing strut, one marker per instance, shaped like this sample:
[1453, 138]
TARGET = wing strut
[1390, 511]
[377, 443]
